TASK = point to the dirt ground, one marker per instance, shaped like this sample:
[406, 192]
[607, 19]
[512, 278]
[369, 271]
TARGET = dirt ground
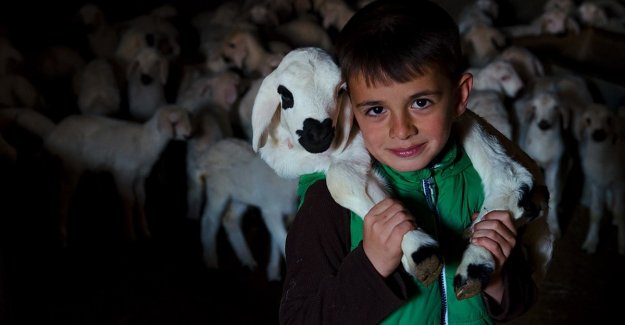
[100, 277]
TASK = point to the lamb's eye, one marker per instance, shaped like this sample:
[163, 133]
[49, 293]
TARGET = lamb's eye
[287, 97]
[588, 121]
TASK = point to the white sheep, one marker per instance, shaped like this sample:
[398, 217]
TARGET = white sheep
[245, 50]
[147, 75]
[127, 150]
[482, 43]
[334, 13]
[480, 12]
[102, 36]
[545, 119]
[302, 124]
[552, 21]
[97, 89]
[236, 178]
[599, 131]
[209, 99]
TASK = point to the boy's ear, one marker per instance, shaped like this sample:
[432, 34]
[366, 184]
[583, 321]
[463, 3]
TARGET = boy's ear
[465, 84]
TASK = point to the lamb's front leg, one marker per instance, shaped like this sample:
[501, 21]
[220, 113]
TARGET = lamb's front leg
[358, 191]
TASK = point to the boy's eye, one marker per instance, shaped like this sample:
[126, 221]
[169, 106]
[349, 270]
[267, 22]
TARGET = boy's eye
[421, 103]
[375, 111]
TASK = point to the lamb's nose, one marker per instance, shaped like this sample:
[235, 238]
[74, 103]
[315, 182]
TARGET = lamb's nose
[599, 135]
[544, 125]
[146, 79]
[316, 136]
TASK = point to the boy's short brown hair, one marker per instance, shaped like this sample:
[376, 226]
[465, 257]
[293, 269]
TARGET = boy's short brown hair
[395, 40]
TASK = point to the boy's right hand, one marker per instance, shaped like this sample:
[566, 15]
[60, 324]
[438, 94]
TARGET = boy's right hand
[384, 228]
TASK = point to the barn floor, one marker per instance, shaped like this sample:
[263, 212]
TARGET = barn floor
[100, 277]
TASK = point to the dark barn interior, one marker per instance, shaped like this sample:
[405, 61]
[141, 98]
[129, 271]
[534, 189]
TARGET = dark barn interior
[97, 275]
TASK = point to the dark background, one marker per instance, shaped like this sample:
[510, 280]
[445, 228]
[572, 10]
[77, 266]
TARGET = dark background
[100, 277]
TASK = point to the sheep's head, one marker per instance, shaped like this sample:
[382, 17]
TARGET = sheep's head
[298, 109]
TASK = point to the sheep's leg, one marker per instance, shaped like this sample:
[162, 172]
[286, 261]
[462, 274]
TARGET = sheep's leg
[126, 192]
[551, 180]
[273, 265]
[474, 271]
[140, 196]
[275, 225]
[210, 222]
[195, 189]
[618, 215]
[359, 193]
[232, 224]
[597, 201]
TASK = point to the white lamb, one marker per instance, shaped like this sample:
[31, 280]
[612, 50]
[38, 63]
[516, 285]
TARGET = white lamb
[236, 178]
[127, 150]
[97, 89]
[303, 124]
[147, 75]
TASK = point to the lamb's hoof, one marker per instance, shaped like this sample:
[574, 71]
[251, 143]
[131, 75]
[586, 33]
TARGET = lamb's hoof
[478, 277]
[427, 264]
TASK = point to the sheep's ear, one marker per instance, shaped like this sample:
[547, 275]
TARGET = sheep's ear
[345, 116]
[579, 126]
[266, 103]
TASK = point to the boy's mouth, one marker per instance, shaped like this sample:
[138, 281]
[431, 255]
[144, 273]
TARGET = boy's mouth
[408, 152]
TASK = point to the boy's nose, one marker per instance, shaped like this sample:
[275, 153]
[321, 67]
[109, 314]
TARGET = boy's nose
[402, 127]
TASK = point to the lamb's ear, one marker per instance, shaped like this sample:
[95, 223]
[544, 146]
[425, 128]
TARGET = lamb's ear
[579, 124]
[266, 103]
[344, 119]
[566, 116]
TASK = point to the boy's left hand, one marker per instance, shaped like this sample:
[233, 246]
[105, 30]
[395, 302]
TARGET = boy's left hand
[496, 233]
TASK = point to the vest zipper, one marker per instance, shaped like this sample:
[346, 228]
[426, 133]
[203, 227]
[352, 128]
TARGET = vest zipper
[429, 189]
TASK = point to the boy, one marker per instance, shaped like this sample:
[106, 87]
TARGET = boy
[402, 64]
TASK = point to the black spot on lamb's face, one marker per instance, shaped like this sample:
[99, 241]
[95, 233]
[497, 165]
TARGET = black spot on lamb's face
[150, 39]
[146, 79]
[315, 136]
[544, 125]
[286, 96]
[599, 135]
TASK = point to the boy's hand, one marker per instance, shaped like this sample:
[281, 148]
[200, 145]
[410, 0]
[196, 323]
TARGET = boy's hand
[496, 233]
[384, 228]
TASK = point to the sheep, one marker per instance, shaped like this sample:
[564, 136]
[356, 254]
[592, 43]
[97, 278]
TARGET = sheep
[147, 31]
[97, 89]
[491, 84]
[102, 36]
[305, 31]
[608, 15]
[480, 12]
[552, 21]
[527, 65]
[334, 13]
[482, 43]
[209, 100]
[128, 150]
[244, 50]
[546, 120]
[18, 91]
[147, 75]
[599, 132]
[302, 124]
[237, 178]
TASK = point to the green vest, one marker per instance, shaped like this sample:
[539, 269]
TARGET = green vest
[442, 199]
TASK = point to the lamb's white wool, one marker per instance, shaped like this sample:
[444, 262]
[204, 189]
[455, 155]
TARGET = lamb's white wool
[544, 119]
[527, 65]
[489, 105]
[246, 104]
[233, 174]
[599, 131]
[293, 115]
[97, 89]
[127, 150]
[147, 75]
[482, 43]
[498, 75]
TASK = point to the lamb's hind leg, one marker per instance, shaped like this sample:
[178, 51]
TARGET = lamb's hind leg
[232, 224]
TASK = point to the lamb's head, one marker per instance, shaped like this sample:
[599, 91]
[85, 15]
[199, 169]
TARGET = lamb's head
[501, 76]
[173, 122]
[546, 112]
[598, 125]
[298, 112]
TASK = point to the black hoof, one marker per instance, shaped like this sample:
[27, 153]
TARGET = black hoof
[428, 264]
[478, 277]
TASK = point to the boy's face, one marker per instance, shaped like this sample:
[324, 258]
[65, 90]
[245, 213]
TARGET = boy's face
[406, 125]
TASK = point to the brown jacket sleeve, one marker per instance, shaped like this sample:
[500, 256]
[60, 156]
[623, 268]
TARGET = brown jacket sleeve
[325, 282]
[520, 291]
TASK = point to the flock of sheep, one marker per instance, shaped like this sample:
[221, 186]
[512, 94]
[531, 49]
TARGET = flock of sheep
[138, 87]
